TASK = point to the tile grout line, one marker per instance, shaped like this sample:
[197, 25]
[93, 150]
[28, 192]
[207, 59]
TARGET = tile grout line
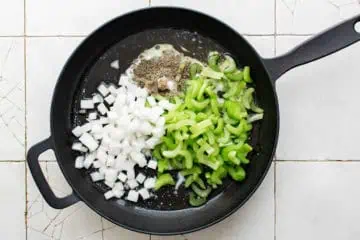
[12, 161]
[25, 132]
[102, 228]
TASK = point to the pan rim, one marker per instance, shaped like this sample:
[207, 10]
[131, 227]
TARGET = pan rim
[142, 229]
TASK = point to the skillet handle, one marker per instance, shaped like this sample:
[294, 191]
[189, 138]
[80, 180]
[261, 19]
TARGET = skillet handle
[321, 45]
[40, 180]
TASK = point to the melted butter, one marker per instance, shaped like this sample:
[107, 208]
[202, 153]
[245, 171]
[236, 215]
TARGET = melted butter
[158, 51]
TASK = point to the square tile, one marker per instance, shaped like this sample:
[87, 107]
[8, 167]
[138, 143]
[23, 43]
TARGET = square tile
[12, 103]
[319, 106]
[113, 232]
[12, 17]
[317, 201]
[44, 222]
[69, 17]
[312, 16]
[45, 59]
[12, 201]
[246, 16]
[243, 224]
[264, 45]
[75, 222]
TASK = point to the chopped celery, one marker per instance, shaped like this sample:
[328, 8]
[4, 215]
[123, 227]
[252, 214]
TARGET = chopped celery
[228, 65]
[235, 110]
[247, 77]
[207, 130]
[235, 76]
[210, 73]
[196, 201]
[163, 165]
[213, 59]
[199, 105]
[163, 180]
[200, 192]
[194, 69]
[255, 117]
[237, 173]
[193, 170]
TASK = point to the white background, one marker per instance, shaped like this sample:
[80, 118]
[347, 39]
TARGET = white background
[311, 191]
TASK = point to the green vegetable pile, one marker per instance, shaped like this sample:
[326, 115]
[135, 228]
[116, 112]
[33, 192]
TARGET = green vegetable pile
[207, 130]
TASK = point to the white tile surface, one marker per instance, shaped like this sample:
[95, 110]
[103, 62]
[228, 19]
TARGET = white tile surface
[317, 201]
[79, 17]
[74, 222]
[264, 45]
[113, 232]
[45, 59]
[245, 16]
[12, 201]
[312, 16]
[255, 220]
[11, 17]
[319, 107]
[12, 103]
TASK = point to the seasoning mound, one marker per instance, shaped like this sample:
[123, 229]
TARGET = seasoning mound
[162, 70]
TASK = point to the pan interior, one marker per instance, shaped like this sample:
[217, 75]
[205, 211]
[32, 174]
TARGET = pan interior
[191, 44]
[90, 65]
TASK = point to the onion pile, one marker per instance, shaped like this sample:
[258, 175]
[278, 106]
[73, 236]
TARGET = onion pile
[123, 124]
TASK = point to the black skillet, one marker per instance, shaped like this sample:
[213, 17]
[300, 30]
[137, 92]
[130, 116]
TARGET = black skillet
[124, 38]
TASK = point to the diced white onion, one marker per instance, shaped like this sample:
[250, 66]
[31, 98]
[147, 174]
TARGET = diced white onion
[97, 98]
[109, 184]
[89, 142]
[133, 196]
[103, 90]
[92, 116]
[109, 194]
[115, 64]
[103, 120]
[97, 164]
[132, 184]
[110, 99]
[151, 100]
[79, 162]
[119, 186]
[122, 177]
[86, 127]
[78, 147]
[118, 193]
[96, 176]
[102, 109]
[140, 178]
[113, 90]
[87, 104]
[149, 183]
[77, 131]
[152, 164]
[89, 159]
[119, 135]
[144, 193]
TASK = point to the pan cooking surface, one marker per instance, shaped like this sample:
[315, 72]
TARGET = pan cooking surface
[191, 44]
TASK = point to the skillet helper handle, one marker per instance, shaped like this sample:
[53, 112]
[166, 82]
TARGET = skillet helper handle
[321, 45]
[40, 180]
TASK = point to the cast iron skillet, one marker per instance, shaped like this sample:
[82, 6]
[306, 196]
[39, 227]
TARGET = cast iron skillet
[124, 38]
